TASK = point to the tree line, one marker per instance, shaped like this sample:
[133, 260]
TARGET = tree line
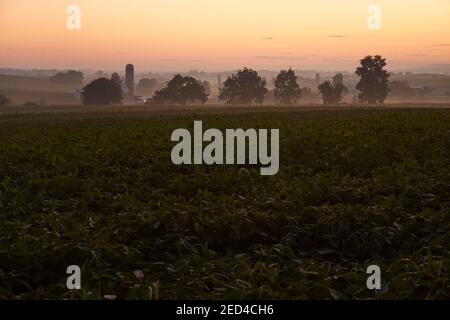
[246, 87]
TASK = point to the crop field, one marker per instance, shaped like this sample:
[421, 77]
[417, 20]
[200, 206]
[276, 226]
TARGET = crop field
[356, 187]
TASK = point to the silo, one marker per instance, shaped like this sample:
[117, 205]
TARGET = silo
[129, 81]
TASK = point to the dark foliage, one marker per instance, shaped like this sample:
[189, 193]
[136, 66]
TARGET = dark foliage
[243, 87]
[355, 188]
[373, 83]
[71, 77]
[181, 90]
[331, 94]
[102, 91]
[287, 90]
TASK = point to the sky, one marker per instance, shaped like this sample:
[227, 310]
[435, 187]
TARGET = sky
[218, 35]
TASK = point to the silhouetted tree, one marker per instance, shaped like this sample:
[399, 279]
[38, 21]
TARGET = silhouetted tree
[70, 77]
[102, 91]
[327, 92]
[4, 101]
[374, 80]
[181, 90]
[287, 90]
[243, 87]
[331, 94]
[147, 86]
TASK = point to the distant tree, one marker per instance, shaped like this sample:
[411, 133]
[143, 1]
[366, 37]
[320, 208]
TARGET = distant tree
[101, 74]
[243, 87]
[401, 89]
[287, 90]
[70, 77]
[327, 92]
[331, 94]
[147, 86]
[373, 83]
[338, 79]
[102, 91]
[115, 77]
[4, 101]
[181, 90]
[207, 87]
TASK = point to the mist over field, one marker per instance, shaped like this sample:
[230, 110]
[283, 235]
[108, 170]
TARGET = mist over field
[23, 86]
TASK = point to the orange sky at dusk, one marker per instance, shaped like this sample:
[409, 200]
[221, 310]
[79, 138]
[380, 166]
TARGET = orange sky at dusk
[182, 35]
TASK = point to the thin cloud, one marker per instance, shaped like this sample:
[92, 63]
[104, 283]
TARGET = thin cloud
[336, 36]
[335, 61]
[278, 58]
[268, 38]
[441, 45]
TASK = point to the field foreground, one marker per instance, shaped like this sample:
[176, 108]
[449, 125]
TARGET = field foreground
[356, 187]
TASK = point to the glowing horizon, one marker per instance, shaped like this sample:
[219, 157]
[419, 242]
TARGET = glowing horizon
[216, 35]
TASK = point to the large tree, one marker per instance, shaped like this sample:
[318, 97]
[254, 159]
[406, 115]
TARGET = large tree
[287, 90]
[102, 91]
[331, 94]
[243, 87]
[374, 80]
[181, 90]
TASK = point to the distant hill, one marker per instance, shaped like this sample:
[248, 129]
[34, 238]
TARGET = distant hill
[21, 89]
